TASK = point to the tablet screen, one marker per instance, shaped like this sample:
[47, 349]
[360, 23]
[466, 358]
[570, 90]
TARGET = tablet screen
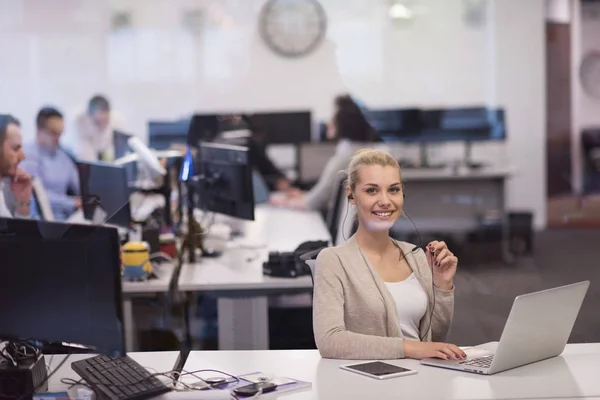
[378, 368]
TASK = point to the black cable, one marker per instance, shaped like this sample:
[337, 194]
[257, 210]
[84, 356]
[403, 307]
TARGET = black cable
[422, 247]
[417, 247]
[35, 389]
[173, 375]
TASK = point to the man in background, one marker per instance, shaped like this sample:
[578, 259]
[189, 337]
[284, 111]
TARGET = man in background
[96, 136]
[15, 183]
[51, 164]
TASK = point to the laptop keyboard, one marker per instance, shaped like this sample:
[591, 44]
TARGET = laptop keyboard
[481, 362]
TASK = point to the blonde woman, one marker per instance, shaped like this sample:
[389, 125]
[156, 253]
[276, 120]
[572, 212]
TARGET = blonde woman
[375, 297]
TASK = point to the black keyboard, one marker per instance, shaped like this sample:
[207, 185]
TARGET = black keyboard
[118, 378]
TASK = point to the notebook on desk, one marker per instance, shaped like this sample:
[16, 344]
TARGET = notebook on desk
[538, 328]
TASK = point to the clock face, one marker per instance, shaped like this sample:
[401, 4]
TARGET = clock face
[589, 74]
[293, 28]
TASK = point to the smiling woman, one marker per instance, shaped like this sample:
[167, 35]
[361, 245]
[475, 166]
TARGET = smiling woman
[375, 297]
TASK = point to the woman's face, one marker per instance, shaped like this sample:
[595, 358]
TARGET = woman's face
[378, 197]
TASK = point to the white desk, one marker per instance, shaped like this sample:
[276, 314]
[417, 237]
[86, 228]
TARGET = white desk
[238, 279]
[574, 374]
[154, 361]
[164, 274]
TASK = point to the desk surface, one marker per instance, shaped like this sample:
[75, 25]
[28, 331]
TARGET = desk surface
[240, 268]
[163, 272]
[574, 374]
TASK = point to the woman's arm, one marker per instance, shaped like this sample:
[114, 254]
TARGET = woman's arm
[331, 336]
[443, 313]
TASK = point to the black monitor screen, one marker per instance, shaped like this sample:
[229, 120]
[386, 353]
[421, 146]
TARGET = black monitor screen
[61, 283]
[396, 125]
[163, 134]
[281, 127]
[225, 180]
[105, 193]
[463, 124]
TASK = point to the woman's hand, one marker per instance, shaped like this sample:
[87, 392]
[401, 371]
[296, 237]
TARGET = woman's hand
[421, 350]
[443, 263]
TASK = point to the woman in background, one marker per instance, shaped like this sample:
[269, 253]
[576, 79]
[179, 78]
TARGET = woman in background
[352, 131]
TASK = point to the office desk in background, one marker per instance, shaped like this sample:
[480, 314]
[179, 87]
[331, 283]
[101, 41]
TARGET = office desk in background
[457, 202]
[150, 288]
[572, 375]
[237, 278]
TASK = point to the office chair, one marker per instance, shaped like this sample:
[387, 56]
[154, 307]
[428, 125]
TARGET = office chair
[340, 217]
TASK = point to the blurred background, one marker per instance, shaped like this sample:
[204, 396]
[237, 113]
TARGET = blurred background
[492, 107]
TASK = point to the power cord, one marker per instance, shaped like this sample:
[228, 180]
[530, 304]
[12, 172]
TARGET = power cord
[173, 375]
[422, 247]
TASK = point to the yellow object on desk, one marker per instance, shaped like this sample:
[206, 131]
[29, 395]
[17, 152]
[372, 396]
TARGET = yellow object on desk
[135, 261]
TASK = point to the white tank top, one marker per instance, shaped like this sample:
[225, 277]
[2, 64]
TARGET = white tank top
[411, 305]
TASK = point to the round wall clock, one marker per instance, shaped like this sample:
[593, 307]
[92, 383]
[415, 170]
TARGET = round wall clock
[292, 28]
[589, 74]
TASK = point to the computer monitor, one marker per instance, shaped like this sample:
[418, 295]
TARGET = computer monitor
[465, 124]
[396, 124]
[163, 134]
[61, 283]
[105, 193]
[281, 127]
[224, 180]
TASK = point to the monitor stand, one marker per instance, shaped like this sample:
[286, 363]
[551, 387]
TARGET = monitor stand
[468, 160]
[425, 159]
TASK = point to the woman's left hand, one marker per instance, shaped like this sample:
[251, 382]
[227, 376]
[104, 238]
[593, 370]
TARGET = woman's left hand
[443, 263]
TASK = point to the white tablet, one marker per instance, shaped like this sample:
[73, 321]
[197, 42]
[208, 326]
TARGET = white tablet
[378, 369]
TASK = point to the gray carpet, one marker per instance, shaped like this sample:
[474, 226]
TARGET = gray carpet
[485, 292]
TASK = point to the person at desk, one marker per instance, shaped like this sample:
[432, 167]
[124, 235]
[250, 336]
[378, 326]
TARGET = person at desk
[375, 297]
[11, 154]
[50, 163]
[273, 176]
[352, 131]
[96, 135]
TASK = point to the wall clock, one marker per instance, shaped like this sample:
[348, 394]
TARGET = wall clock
[292, 28]
[589, 74]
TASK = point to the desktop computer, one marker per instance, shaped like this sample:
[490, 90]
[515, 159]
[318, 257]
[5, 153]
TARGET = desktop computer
[290, 127]
[224, 180]
[221, 182]
[163, 134]
[62, 284]
[105, 193]
[424, 126]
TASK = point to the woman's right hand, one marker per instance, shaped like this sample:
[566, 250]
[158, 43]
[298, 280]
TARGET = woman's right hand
[420, 350]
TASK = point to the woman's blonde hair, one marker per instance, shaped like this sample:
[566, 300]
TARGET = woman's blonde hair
[369, 157]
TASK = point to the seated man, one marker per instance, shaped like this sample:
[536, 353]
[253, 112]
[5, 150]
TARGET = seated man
[97, 134]
[18, 182]
[48, 162]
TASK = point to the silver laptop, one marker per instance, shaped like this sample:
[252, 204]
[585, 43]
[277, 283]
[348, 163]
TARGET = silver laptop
[538, 327]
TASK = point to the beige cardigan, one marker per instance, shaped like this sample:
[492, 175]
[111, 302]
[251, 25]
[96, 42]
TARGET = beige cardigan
[354, 314]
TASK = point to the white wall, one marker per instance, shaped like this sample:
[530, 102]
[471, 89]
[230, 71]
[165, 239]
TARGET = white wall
[63, 51]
